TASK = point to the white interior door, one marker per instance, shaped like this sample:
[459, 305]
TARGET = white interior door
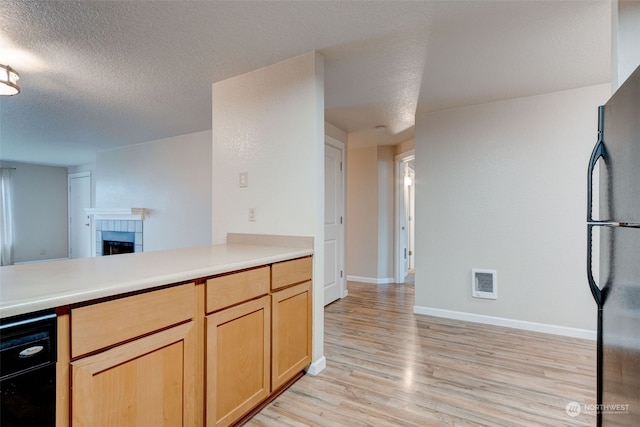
[412, 213]
[333, 222]
[79, 221]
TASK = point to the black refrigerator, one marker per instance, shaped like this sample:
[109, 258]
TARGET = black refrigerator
[617, 290]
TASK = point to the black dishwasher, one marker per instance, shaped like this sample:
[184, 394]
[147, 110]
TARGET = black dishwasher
[28, 370]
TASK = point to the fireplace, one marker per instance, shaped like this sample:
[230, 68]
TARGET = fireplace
[117, 231]
[118, 242]
[118, 236]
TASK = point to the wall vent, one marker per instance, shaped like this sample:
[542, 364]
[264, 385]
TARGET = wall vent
[484, 283]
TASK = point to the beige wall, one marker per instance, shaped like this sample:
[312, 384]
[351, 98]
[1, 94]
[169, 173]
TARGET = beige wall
[405, 146]
[502, 186]
[362, 213]
[270, 124]
[370, 210]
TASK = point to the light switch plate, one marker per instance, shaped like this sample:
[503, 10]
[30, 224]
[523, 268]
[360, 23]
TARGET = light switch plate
[244, 179]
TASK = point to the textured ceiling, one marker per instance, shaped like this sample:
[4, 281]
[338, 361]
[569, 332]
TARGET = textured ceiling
[101, 74]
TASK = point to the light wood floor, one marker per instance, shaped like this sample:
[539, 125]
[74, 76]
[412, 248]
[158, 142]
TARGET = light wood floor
[389, 367]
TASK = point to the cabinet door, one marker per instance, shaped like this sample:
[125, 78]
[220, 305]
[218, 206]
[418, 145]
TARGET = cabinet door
[291, 333]
[237, 360]
[146, 382]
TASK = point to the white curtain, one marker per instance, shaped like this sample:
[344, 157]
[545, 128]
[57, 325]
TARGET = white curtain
[6, 218]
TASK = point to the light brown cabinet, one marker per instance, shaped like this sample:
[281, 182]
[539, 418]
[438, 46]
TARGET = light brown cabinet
[237, 360]
[203, 353]
[287, 273]
[141, 362]
[291, 319]
[144, 382]
[237, 344]
[256, 347]
[290, 333]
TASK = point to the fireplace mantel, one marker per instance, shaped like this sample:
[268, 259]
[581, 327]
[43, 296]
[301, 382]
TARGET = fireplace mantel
[117, 213]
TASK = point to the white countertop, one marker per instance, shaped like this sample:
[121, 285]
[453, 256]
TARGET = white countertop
[32, 287]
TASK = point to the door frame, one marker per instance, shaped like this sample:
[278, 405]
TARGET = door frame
[339, 145]
[399, 198]
[71, 176]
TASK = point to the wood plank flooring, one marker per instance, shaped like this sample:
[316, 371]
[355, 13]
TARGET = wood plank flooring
[389, 367]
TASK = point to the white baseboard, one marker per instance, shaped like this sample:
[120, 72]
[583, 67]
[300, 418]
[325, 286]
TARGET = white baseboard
[372, 280]
[39, 261]
[316, 367]
[509, 323]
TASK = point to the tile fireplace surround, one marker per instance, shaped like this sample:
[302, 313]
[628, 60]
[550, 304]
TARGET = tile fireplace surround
[127, 219]
[130, 225]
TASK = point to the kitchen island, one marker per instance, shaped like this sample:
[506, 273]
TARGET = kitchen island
[196, 336]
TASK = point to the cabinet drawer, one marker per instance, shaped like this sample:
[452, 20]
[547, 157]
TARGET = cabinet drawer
[105, 324]
[225, 291]
[290, 272]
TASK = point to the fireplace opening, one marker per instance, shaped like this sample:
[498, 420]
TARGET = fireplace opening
[118, 242]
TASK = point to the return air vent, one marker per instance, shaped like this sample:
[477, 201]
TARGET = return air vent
[484, 284]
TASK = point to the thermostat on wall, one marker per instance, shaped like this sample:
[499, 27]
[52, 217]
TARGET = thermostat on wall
[484, 283]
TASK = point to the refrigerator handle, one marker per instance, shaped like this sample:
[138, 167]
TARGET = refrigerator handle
[595, 290]
[599, 151]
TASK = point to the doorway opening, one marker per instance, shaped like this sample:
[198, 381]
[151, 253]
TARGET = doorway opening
[405, 217]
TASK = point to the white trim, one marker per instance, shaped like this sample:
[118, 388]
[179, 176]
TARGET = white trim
[79, 174]
[372, 280]
[40, 260]
[334, 142]
[509, 323]
[316, 367]
[117, 213]
[406, 156]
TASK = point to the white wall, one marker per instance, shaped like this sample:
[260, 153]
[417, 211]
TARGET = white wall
[40, 212]
[502, 186]
[625, 39]
[170, 177]
[270, 124]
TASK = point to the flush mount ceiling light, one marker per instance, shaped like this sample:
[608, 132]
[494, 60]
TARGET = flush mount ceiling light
[8, 81]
